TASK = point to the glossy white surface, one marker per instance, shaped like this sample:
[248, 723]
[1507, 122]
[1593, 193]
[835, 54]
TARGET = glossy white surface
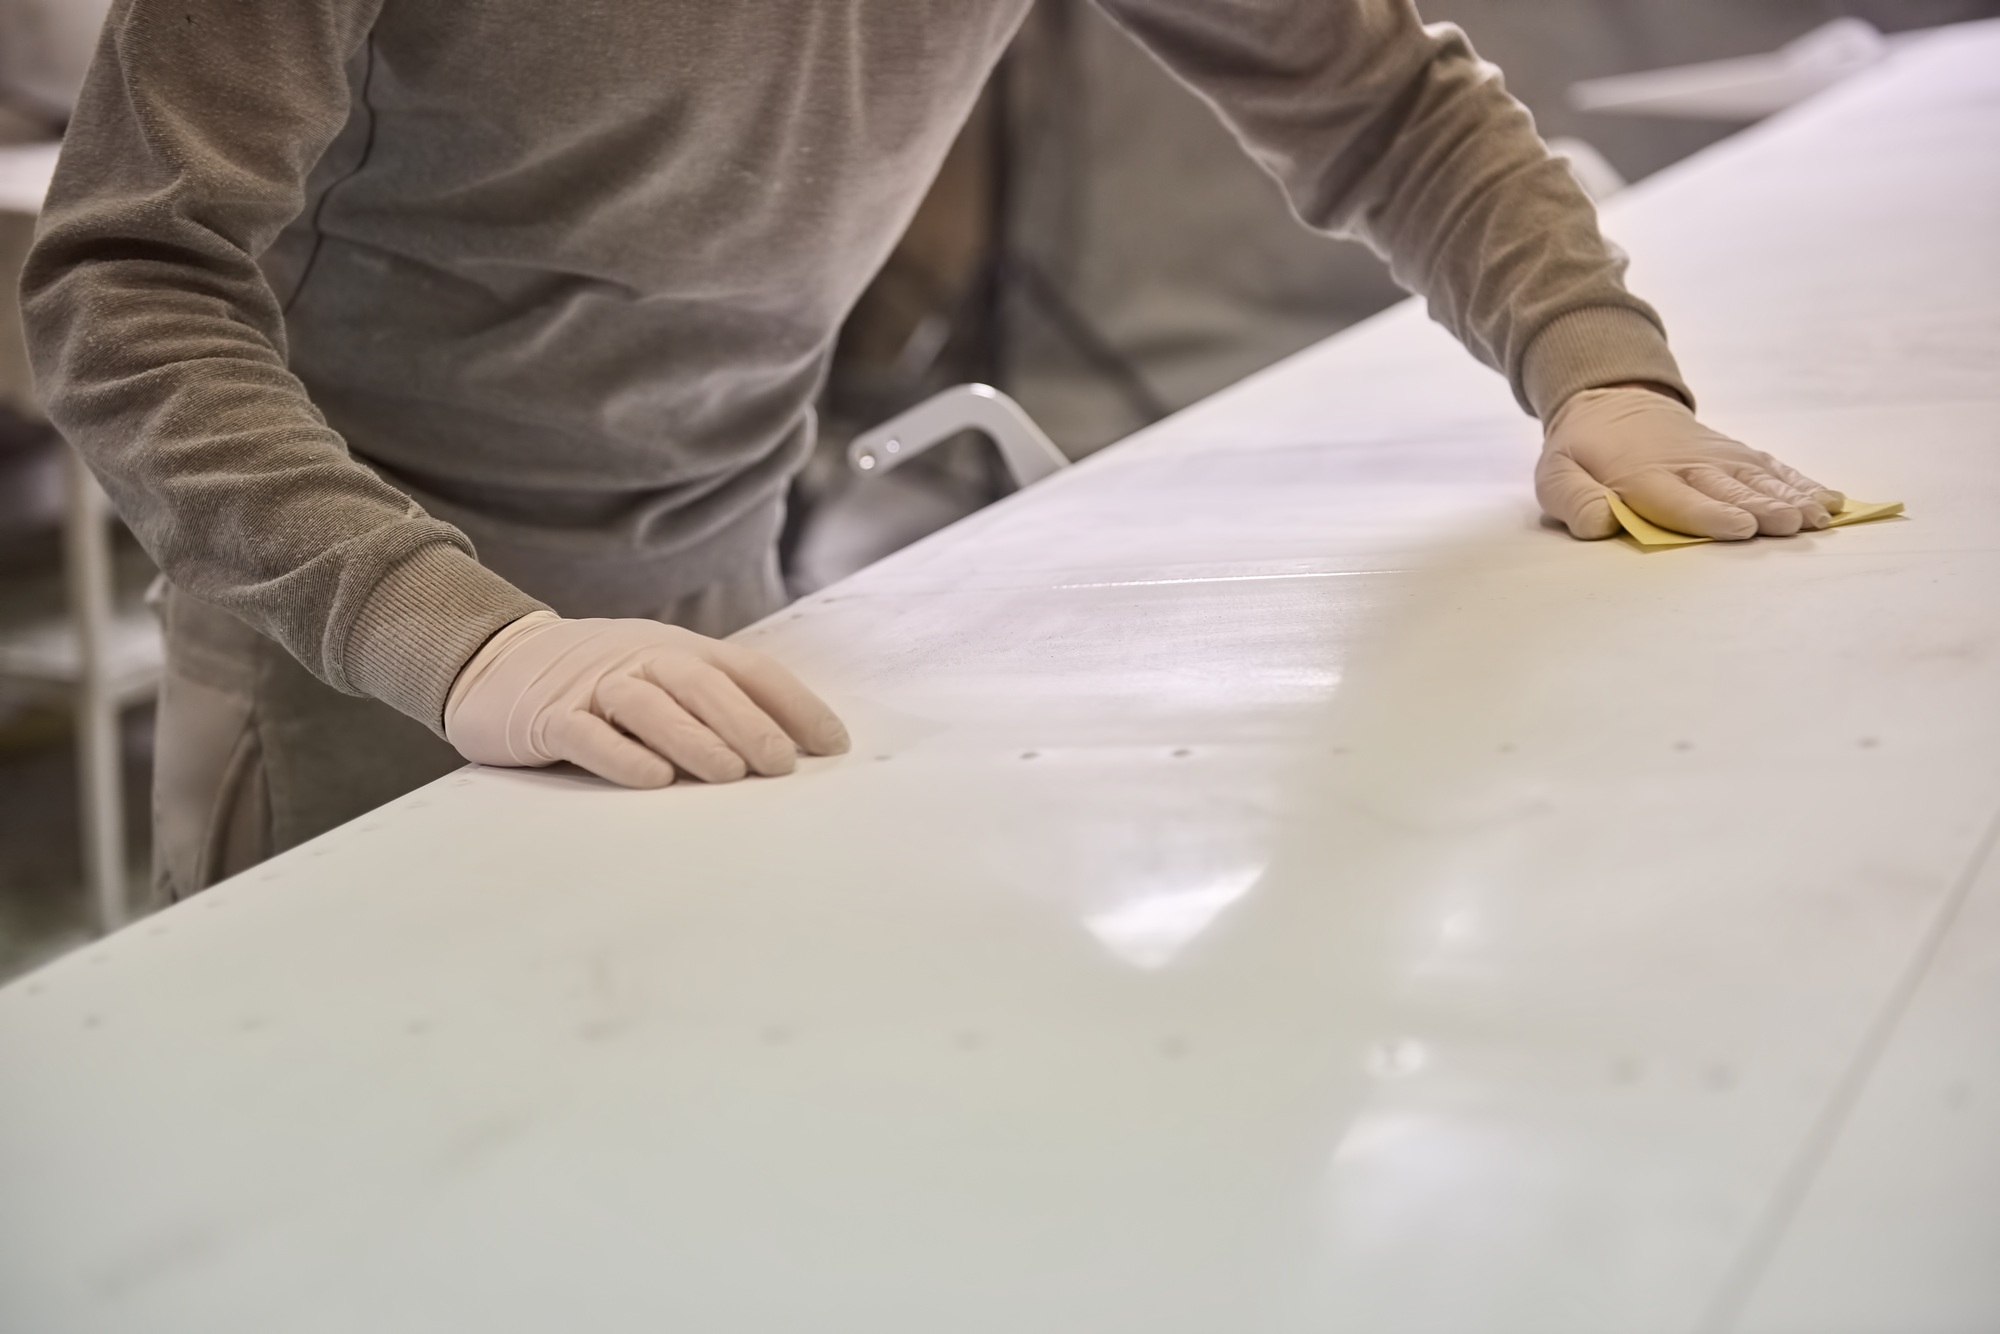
[1873, 1245]
[1278, 887]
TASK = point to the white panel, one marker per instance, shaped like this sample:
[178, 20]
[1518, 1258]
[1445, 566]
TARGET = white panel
[1899, 1229]
[1278, 886]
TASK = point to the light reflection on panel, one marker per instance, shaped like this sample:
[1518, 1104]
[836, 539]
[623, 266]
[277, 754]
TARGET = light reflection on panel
[1151, 928]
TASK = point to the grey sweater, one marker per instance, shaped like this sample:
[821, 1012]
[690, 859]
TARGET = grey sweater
[328, 291]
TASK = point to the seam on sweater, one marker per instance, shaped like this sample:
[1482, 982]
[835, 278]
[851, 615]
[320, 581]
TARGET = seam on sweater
[319, 208]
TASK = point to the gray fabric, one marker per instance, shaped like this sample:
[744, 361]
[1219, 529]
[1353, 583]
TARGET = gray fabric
[330, 291]
[254, 755]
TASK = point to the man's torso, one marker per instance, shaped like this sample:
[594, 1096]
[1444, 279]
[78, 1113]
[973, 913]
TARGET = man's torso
[571, 273]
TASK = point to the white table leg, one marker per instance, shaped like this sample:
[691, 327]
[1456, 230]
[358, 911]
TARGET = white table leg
[87, 568]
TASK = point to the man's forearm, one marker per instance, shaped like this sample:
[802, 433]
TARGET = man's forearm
[1380, 128]
[159, 348]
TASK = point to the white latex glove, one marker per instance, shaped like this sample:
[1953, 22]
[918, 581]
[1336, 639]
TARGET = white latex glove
[633, 701]
[1671, 469]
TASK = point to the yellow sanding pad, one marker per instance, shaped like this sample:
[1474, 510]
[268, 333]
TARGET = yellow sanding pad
[1651, 536]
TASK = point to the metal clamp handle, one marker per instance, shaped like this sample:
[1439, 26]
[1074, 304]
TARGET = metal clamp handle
[1028, 453]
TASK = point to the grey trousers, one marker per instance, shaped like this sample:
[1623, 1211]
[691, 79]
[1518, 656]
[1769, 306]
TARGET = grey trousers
[254, 754]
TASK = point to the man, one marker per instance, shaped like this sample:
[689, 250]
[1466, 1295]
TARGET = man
[334, 293]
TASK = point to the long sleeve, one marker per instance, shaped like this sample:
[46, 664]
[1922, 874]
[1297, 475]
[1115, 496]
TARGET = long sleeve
[159, 347]
[1381, 128]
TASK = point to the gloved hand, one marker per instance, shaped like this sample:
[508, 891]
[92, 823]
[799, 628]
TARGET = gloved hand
[633, 701]
[1669, 468]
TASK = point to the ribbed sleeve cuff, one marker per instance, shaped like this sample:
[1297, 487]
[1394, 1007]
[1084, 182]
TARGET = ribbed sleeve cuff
[423, 622]
[1592, 349]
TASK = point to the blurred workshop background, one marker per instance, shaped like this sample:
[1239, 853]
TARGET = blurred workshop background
[1097, 245]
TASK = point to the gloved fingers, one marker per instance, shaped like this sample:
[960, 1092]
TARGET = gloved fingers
[803, 715]
[591, 743]
[707, 693]
[1828, 499]
[1810, 510]
[1572, 497]
[1775, 517]
[1661, 496]
[642, 710]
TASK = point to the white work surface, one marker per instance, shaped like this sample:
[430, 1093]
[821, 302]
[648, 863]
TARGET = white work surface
[1278, 886]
